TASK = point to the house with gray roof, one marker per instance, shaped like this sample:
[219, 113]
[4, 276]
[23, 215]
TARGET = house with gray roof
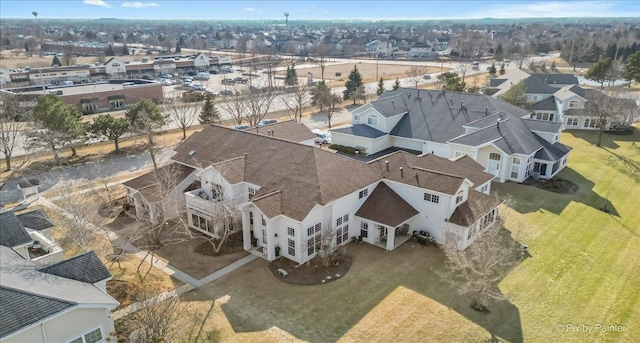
[287, 194]
[28, 235]
[64, 301]
[558, 98]
[453, 124]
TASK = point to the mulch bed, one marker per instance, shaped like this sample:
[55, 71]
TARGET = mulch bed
[311, 272]
[231, 245]
[122, 291]
[556, 185]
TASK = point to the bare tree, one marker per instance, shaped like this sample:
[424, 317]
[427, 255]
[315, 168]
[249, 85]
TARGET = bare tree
[603, 111]
[462, 69]
[297, 101]
[321, 51]
[415, 74]
[477, 270]
[158, 319]
[67, 54]
[183, 114]
[249, 103]
[146, 119]
[331, 106]
[327, 244]
[11, 113]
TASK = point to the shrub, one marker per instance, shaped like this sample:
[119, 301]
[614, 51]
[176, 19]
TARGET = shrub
[344, 149]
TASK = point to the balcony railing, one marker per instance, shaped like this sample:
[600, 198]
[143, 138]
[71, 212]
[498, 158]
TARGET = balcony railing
[43, 249]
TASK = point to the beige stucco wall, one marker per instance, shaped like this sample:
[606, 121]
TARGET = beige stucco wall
[68, 326]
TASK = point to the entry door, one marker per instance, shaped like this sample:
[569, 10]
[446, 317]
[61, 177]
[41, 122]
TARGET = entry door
[543, 169]
[493, 167]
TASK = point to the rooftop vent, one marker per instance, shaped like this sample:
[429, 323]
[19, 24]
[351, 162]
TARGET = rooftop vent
[386, 163]
[401, 172]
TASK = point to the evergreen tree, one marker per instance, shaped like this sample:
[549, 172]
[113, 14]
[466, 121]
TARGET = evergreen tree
[632, 68]
[109, 51]
[178, 48]
[553, 66]
[492, 69]
[499, 51]
[113, 128]
[502, 70]
[599, 71]
[320, 96]
[125, 50]
[380, 86]
[209, 113]
[26, 47]
[396, 85]
[291, 78]
[56, 61]
[353, 82]
[452, 82]
[543, 67]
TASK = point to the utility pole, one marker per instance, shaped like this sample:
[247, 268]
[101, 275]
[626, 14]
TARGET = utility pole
[571, 53]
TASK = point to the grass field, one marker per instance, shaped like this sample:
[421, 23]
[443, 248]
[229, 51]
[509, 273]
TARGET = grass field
[367, 70]
[584, 270]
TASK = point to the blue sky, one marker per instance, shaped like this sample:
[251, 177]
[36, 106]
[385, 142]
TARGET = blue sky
[329, 9]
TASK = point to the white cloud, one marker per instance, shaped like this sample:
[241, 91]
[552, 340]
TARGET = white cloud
[139, 4]
[100, 3]
[551, 9]
[249, 9]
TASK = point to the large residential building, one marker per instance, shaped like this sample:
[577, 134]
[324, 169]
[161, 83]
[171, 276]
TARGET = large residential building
[558, 98]
[44, 298]
[452, 124]
[287, 195]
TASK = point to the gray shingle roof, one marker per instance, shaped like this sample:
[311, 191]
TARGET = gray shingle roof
[560, 79]
[19, 309]
[12, 233]
[535, 85]
[391, 103]
[85, 267]
[510, 135]
[18, 273]
[551, 152]
[542, 125]
[386, 207]
[36, 220]
[548, 104]
[578, 90]
[360, 130]
[439, 117]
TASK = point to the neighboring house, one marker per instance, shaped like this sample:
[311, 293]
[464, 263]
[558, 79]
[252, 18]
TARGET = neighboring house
[44, 298]
[29, 235]
[379, 48]
[420, 50]
[63, 302]
[442, 43]
[558, 98]
[287, 194]
[452, 124]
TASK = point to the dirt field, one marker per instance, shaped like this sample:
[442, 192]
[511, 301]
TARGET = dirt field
[367, 70]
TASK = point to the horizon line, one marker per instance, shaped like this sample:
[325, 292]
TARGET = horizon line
[356, 19]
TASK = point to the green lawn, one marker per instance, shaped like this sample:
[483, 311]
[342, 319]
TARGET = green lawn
[585, 265]
[584, 270]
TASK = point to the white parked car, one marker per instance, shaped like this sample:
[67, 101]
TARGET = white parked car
[322, 137]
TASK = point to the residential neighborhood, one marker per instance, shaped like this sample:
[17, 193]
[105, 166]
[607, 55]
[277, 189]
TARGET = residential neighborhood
[308, 172]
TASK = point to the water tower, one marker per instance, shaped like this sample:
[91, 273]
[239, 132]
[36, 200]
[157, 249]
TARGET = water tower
[286, 18]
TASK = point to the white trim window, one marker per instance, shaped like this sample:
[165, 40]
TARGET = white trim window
[574, 104]
[314, 241]
[372, 120]
[432, 198]
[460, 154]
[495, 156]
[591, 123]
[342, 229]
[363, 193]
[291, 244]
[364, 229]
[90, 337]
[515, 168]
[459, 197]
[573, 121]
